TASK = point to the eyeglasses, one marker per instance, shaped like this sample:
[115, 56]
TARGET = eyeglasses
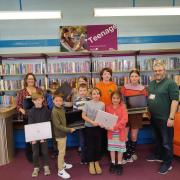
[31, 79]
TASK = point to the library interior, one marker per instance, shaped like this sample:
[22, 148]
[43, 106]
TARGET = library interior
[78, 45]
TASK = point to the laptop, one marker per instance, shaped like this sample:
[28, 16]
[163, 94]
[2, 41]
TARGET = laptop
[74, 119]
[106, 119]
[38, 131]
[136, 104]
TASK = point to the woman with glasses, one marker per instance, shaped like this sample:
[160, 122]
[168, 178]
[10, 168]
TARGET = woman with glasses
[24, 103]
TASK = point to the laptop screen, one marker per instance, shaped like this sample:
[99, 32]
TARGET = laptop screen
[138, 101]
[74, 117]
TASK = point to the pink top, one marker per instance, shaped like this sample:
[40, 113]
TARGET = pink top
[120, 126]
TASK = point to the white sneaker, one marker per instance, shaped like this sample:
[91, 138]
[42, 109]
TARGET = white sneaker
[63, 174]
[67, 166]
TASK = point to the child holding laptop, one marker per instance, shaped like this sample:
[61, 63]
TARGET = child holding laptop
[38, 114]
[60, 132]
[78, 104]
[133, 88]
[93, 131]
[117, 135]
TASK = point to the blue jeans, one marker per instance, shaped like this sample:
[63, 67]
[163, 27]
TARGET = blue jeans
[164, 140]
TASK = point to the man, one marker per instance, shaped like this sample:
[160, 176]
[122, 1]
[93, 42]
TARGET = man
[163, 102]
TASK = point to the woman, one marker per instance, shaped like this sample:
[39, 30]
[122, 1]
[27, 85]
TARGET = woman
[106, 86]
[134, 120]
[24, 103]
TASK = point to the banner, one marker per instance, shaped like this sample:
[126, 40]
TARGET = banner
[88, 38]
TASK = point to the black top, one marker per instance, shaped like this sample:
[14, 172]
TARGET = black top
[38, 115]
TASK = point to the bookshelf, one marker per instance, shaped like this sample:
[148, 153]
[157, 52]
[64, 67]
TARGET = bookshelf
[68, 66]
[171, 59]
[119, 61]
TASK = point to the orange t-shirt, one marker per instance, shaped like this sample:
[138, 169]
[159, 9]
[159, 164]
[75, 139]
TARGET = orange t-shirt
[106, 90]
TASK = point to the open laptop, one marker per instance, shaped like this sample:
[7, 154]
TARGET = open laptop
[106, 119]
[136, 104]
[74, 119]
[38, 131]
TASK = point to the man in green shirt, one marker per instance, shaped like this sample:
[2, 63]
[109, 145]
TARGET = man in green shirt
[163, 103]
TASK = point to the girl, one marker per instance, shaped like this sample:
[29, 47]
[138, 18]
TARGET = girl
[92, 131]
[107, 86]
[117, 135]
[135, 120]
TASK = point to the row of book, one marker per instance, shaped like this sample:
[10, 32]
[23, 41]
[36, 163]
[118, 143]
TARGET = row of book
[21, 69]
[68, 67]
[6, 85]
[146, 63]
[117, 65]
[6, 100]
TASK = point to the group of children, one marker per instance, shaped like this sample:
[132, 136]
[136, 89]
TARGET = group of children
[90, 149]
[90, 137]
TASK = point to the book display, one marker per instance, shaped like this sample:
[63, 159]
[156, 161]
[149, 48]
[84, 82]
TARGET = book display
[67, 67]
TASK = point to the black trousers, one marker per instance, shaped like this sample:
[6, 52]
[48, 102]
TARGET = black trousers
[164, 140]
[93, 143]
[44, 150]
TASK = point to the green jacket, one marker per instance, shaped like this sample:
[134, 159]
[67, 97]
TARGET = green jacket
[59, 122]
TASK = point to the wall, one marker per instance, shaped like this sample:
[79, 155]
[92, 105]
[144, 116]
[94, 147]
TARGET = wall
[131, 30]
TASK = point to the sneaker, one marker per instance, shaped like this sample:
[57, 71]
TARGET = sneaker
[63, 174]
[46, 171]
[164, 168]
[153, 158]
[35, 172]
[67, 166]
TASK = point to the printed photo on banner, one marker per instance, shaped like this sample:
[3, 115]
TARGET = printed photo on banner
[73, 38]
[88, 38]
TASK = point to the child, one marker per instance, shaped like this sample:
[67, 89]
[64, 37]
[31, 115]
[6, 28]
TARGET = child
[78, 104]
[38, 114]
[135, 121]
[60, 131]
[93, 131]
[49, 95]
[117, 135]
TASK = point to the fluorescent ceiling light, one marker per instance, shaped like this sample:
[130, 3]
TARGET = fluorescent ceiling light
[137, 11]
[8, 15]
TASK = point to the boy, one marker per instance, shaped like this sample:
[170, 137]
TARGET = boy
[60, 132]
[78, 104]
[39, 114]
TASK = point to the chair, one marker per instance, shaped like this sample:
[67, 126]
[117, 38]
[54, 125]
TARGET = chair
[177, 134]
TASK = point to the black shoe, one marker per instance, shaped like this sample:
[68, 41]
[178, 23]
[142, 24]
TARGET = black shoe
[164, 168]
[112, 168]
[119, 169]
[153, 158]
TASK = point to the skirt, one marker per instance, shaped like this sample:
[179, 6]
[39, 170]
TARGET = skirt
[115, 144]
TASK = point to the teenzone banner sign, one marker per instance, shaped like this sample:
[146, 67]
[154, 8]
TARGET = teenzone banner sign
[88, 38]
